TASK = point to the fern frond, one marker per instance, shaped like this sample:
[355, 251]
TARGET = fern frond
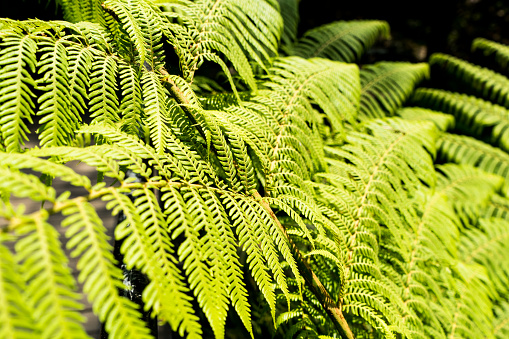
[23, 185]
[50, 287]
[499, 52]
[151, 252]
[343, 41]
[487, 246]
[23, 161]
[500, 327]
[387, 85]
[461, 149]
[17, 61]
[469, 189]
[235, 28]
[104, 105]
[131, 104]
[443, 121]
[156, 104]
[101, 278]
[289, 10]
[470, 78]
[17, 317]
[473, 116]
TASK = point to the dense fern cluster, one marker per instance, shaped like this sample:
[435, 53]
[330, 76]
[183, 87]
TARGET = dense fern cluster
[293, 176]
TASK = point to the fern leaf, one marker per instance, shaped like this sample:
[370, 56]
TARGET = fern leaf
[103, 102]
[189, 218]
[150, 252]
[25, 186]
[470, 78]
[156, 104]
[473, 116]
[234, 28]
[131, 104]
[130, 24]
[341, 40]
[290, 12]
[498, 51]
[461, 149]
[17, 317]
[17, 61]
[23, 161]
[101, 278]
[441, 120]
[247, 238]
[387, 85]
[50, 287]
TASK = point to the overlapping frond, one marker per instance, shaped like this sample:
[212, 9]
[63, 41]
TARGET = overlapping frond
[343, 41]
[443, 121]
[290, 12]
[462, 149]
[239, 30]
[18, 63]
[17, 317]
[499, 52]
[470, 78]
[387, 85]
[473, 116]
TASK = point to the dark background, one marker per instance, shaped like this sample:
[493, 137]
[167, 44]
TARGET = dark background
[418, 28]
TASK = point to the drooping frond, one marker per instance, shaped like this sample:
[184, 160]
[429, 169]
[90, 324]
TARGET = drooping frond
[361, 196]
[101, 278]
[499, 52]
[486, 246]
[50, 287]
[469, 189]
[343, 41]
[18, 63]
[459, 75]
[239, 30]
[290, 12]
[473, 116]
[462, 149]
[17, 317]
[387, 85]
[442, 120]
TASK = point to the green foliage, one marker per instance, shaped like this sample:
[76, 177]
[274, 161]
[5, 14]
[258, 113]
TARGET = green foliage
[303, 183]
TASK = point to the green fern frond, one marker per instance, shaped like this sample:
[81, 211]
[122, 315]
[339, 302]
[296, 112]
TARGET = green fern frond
[500, 327]
[151, 252]
[131, 104]
[471, 79]
[486, 246]
[492, 48]
[343, 41]
[290, 12]
[17, 317]
[441, 120]
[50, 287]
[23, 185]
[387, 85]
[469, 189]
[156, 109]
[461, 149]
[233, 28]
[473, 116]
[97, 271]
[18, 63]
[104, 103]
[23, 161]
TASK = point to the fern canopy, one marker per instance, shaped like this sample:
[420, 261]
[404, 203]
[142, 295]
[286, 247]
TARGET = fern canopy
[293, 195]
